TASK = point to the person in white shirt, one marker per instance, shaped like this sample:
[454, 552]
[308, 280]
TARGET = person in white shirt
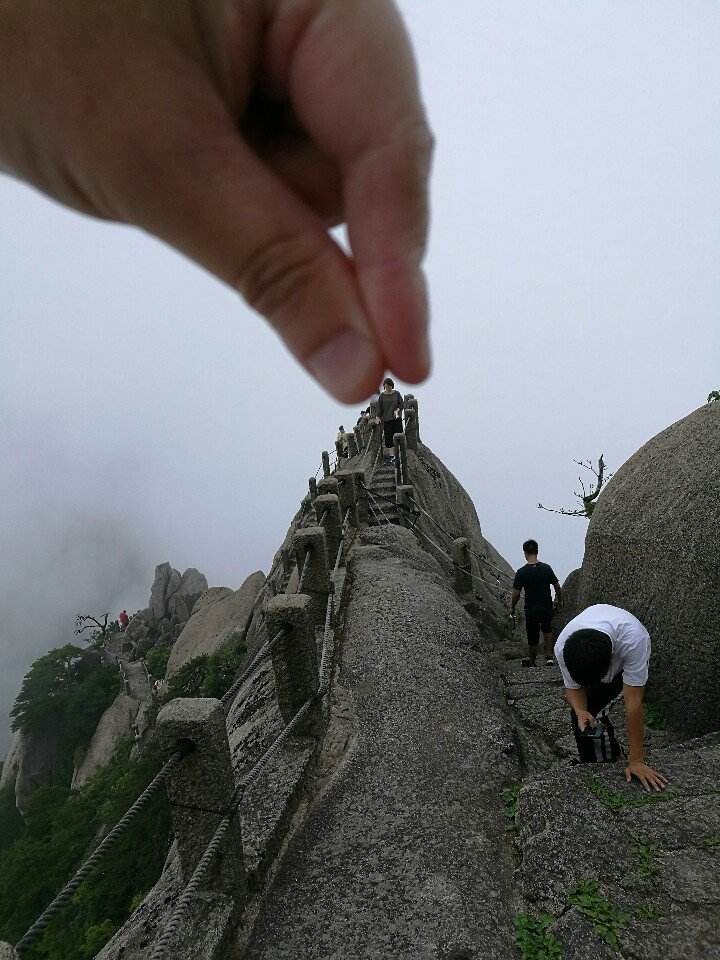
[603, 653]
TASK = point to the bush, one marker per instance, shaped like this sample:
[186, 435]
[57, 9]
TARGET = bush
[210, 675]
[156, 660]
[62, 827]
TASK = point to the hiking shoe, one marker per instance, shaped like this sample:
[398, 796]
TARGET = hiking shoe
[549, 661]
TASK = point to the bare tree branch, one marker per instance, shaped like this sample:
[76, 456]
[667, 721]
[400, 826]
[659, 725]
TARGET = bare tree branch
[589, 494]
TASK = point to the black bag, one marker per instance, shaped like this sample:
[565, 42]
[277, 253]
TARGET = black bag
[598, 744]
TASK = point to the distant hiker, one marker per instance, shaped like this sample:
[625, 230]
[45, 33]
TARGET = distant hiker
[123, 620]
[389, 413]
[536, 578]
[603, 654]
[341, 438]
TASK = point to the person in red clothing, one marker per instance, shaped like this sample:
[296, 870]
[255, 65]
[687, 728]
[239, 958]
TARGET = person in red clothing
[124, 620]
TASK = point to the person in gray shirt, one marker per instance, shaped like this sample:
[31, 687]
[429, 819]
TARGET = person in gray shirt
[389, 413]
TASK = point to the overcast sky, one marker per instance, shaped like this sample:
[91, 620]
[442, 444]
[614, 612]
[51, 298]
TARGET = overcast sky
[147, 415]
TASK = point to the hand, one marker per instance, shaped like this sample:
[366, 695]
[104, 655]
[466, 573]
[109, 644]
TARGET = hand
[238, 131]
[646, 775]
[584, 719]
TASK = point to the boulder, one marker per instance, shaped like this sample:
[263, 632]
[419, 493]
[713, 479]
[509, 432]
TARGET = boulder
[214, 622]
[192, 586]
[114, 724]
[570, 609]
[652, 548]
[138, 626]
[211, 595]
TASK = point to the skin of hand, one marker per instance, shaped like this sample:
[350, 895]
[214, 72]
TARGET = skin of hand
[239, 131]
[635, 725]
[578, 701]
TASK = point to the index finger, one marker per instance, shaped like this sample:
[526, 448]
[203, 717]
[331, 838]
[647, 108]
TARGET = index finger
[354, 86]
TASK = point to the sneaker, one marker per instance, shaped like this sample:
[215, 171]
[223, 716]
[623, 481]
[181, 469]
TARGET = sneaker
[549, 661]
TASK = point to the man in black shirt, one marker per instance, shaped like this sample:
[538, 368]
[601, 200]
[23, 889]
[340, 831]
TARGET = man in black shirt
[536, 578]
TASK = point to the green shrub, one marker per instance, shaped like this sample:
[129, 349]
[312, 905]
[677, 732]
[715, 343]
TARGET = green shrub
[210, 675]
[61, 829]
[156, 660]
[533, 938]
[607, 921]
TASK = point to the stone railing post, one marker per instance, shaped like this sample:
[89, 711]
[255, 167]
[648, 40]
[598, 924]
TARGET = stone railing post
[401, 464]
[359, 438]
[352, 445]
[200, 790]
[294, 656]
[347, 493]
[327, 485]
[328, 506]
[7, 952]
[412, 424]
[326, 463]
[404, 495]
[339, 450]
[461, 562]
[361, 497]
[312, 487]
[311, 557]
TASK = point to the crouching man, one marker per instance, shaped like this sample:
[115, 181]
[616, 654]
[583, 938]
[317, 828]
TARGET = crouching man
[603, 654]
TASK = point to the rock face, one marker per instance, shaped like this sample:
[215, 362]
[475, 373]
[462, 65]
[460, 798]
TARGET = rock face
[652, 548]
[214, 622]
[115, 723]
[12, 761]
[37, 756]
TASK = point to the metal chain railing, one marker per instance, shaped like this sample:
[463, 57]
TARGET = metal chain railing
[94, 860]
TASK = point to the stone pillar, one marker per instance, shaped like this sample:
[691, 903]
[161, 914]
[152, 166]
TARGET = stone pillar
[7, 952]
[326, 463]
[461, 562]
[312, 487]
[328, 506]
[310, 544]
[412, 424]
[401, 466]
[361, 497]
[327, 485]
[347, 493]
[200, 790]
[359, 438]
[403, 495]
[294, 657]
[373, 409]
[352, 445]
[339, 450]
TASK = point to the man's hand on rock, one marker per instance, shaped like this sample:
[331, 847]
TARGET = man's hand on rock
[649, 778]
[239, 131]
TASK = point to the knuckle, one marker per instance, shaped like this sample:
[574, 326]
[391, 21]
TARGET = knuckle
[279, 272]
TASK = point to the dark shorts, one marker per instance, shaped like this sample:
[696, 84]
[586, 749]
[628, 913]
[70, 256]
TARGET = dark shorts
[535, 621]
[391, 427]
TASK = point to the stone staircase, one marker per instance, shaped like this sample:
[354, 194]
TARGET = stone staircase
[382, 509]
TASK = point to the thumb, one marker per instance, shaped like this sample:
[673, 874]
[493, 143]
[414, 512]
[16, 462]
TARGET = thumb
[220, 205]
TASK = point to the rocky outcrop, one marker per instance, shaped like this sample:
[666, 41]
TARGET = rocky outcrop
[214, 622]
[115, 723]
[652, 547]
[37, 758]
[172, 600]
[570, 600]
[12, 761]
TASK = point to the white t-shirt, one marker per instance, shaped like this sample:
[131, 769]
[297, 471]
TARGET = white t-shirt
[630, 643]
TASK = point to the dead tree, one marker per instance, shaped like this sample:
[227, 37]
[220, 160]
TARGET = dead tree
[101, 629]
[589, 495]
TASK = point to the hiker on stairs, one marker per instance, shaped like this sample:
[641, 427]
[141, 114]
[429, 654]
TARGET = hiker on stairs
[389, 413]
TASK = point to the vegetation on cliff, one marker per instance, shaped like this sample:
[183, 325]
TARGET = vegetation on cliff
[60, 829]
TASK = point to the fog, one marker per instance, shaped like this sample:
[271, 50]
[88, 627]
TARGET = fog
[147, 415]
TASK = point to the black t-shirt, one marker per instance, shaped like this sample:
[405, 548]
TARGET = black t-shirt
[535, 580]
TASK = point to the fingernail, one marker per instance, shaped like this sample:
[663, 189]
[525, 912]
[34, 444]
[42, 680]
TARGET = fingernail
[348, 366]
